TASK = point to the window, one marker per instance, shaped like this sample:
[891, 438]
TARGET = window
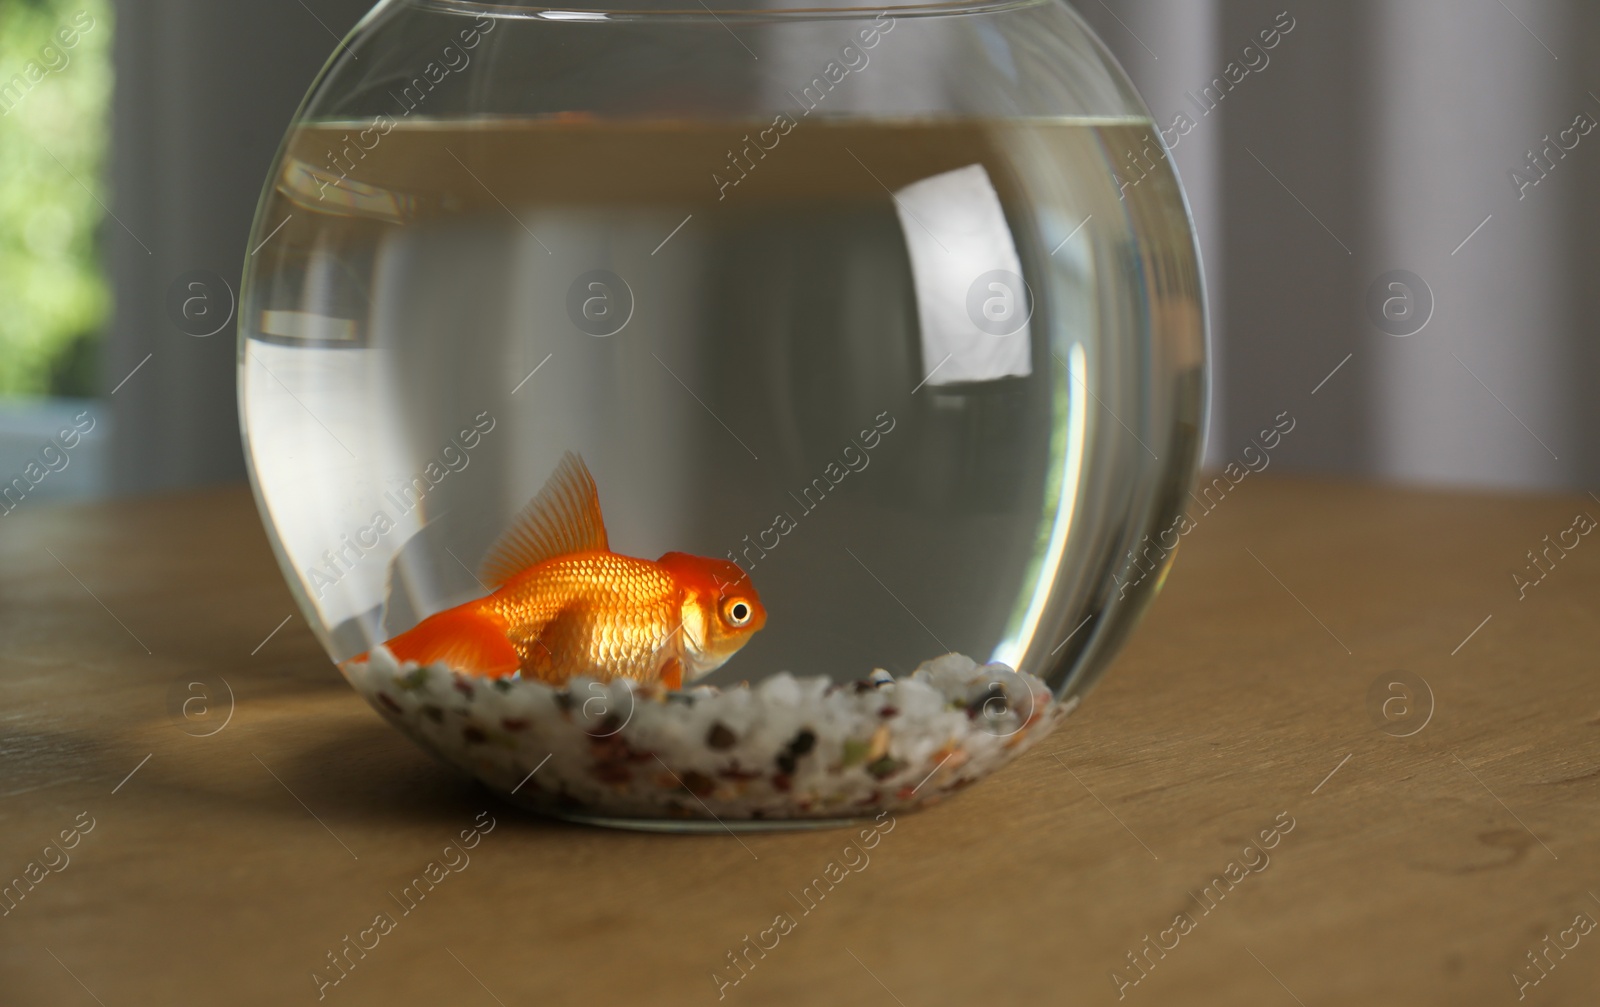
[55, 89]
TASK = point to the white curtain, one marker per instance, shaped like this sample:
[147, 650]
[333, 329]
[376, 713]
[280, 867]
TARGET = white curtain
[1378, 136]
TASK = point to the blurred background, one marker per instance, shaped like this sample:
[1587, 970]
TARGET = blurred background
[1397, 203]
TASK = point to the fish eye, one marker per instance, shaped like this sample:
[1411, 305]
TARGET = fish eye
[739, 613]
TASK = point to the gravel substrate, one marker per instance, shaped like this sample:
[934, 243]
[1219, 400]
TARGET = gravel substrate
[784, 748]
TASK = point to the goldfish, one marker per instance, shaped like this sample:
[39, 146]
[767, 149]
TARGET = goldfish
[564, 604]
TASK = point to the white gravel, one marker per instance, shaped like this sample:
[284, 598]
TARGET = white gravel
[784, 748]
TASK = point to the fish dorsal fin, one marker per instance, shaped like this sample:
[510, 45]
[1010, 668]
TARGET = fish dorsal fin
[563, 518]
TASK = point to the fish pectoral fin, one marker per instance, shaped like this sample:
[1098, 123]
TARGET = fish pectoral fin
[466, 639]
[563, 518]
[672, 674]
[561, 646]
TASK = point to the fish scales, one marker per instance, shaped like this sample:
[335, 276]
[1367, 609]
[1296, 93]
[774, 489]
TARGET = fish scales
[603, 612]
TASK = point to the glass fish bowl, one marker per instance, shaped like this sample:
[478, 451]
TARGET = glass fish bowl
[724, 415]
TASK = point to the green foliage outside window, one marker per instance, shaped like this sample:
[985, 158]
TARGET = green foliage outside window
[55, 91]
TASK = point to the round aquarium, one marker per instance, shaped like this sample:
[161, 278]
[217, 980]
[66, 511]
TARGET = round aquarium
[718, 415]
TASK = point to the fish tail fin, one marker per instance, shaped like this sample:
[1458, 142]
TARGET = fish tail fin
[467, 639]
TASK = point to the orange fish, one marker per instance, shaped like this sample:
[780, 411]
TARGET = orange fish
[564, 604]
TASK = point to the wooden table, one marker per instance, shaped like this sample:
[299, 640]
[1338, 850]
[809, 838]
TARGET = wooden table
[1420, 870]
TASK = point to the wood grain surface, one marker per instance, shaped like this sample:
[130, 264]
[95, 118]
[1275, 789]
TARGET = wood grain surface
[1419, 870]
